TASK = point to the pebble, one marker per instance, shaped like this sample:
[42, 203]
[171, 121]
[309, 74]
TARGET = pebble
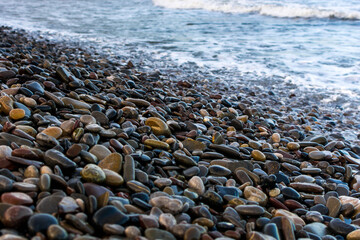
[40, 222]
[17, 114]
[94, 148]
[93, 173]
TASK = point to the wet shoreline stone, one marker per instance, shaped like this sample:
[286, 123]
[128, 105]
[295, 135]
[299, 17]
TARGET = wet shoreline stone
[93, 148]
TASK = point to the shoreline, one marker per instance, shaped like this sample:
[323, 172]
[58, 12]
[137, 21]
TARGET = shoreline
[104, 149]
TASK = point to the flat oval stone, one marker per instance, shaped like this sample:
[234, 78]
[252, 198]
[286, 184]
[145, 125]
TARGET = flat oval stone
[182, 158]
[40, 222]
[137, 186]
[49, 204]
[293, 146]
[156, 144]
[167, 204]
[254, 194]
[250, 210]
[109, 215]
[100, 151]
[340, 227]
[320, 155]
[6, 184]
[129, 168]
[56, 232]
[355, 235]
[112, 178]
[93, 173]
[289, 192]
[158, 126]
[55, 132]
[197, 185]
[258, 156]
[16, 198]
[307, 187]
[75, 103]
[17, 114]
[53, 157]
[15, 216]
[155, 233]
[219, 170]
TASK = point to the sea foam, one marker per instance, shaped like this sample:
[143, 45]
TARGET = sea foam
[273, 10]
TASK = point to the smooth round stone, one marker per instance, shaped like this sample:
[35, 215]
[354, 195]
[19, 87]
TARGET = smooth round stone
[196, 184]
[340, 227]
[6, 104]
[113, 229]
[31, 172]
[49, 204]
[317, 228]
[29, 102]
[53, 157]
[93, 173]
[148, 221]
[158, 126]
[290, 193]
[292, 216]
[5, 151]
[272, 230]
[167, 204]
[96, 190]
[256, 195]
[192, 171]
[100, 117]
[162, 182]
[45, 182]
[109, 215]
[15, 216]
[156, 144]
[193, 145]
[320, 155]
[304, 178]
[156, 233]
[17, 114]
[129, 168]
[87, 119]
[75, 103]
[219, 170]
[312, 216]
[68, 205]
[275, 137]
[182, 158]
[321, 208]
[132, 232]
[100, 151]
[167, 220]
[258, 156]
[192, 233]
[74, 150]
[56, 232]
[334, 206]
[355, 235]
[138, 102]
[6, 184]
[16, 198]
[112, 178]
[250, 210]
[306, 187]
[293, 146]
[40, 222]
[137, 186]
[55, 132]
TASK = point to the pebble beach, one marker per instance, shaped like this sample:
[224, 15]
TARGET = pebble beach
[92, 147]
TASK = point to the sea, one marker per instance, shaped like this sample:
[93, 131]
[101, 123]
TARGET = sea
[312, 43]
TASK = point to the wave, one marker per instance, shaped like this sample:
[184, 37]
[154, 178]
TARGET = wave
[273, 10]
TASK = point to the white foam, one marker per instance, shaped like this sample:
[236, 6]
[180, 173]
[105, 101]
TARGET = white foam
[274, 10]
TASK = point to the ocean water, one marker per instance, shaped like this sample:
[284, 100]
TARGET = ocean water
[312, 43]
